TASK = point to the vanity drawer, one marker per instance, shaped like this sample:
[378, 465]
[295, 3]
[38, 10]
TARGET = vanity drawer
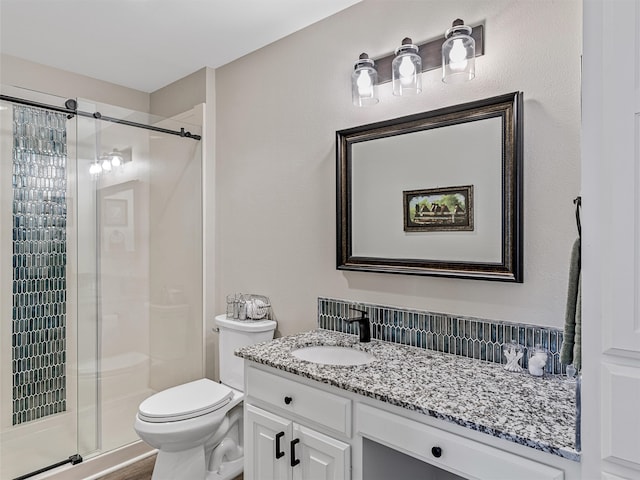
[459, 455]
[325, 409]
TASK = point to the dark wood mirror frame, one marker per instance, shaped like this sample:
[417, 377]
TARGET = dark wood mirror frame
[508, 108]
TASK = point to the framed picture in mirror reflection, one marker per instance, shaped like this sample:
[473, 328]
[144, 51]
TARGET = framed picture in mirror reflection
[438, 209]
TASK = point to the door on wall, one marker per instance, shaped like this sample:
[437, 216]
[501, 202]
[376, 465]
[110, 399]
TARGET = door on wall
[611, 239]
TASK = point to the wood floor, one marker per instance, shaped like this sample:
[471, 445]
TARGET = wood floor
[141, 470]
[138, 471]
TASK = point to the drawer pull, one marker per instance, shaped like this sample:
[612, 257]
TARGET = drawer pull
[437, 452]
[288, 400]
[294, 461]
[279, 453]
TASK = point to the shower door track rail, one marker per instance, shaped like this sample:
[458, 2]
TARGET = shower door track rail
[71, 110]
[73, 460]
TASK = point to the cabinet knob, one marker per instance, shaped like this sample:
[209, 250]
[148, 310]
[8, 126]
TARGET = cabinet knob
[436, 452]
[288, 400]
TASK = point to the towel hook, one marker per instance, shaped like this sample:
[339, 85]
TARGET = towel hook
[578, 203]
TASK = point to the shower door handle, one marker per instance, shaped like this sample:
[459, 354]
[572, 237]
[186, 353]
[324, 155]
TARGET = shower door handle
[279, 452]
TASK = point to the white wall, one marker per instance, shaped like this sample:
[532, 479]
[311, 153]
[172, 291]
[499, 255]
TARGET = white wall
[33, 76]
[181, 95]
[277, 113]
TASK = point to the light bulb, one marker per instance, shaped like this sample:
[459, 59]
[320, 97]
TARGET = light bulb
[365, 84]
[407, 70]
[458, 55]
[116, 160]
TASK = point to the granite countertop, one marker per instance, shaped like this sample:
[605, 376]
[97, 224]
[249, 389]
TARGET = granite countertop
[539, 412]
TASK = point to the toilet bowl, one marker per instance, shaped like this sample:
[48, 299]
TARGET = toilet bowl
[197, 426]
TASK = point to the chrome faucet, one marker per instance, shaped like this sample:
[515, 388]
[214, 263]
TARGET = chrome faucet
[363, 324]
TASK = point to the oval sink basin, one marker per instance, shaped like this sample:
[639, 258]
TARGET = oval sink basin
[333, 355]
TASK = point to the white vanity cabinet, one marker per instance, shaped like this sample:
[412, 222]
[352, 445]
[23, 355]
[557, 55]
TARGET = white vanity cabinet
[297, 428]
[278, 447]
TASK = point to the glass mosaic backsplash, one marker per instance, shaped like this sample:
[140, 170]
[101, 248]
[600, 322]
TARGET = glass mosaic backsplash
[466, 336]
[39, 263]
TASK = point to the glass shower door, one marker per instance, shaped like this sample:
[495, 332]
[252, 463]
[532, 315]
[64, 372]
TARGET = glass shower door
[100, 274]
[38, 408]
[145, 254]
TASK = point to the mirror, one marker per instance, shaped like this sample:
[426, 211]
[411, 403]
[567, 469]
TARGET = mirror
[437, 193]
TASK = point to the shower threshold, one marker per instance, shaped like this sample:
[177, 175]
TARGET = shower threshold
[100, 464]
[73, 460]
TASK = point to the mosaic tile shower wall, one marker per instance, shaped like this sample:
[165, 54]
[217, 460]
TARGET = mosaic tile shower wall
[466, 336]
[39, 263]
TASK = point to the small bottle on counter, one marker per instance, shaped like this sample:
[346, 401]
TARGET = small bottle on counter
[242, 308]
[537, 361]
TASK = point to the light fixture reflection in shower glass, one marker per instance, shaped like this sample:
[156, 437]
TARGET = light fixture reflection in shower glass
[95, 169]
[116, 158]
[110, 162]
[106, 163]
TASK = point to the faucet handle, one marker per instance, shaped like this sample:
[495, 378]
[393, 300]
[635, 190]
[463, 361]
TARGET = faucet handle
[363, 323]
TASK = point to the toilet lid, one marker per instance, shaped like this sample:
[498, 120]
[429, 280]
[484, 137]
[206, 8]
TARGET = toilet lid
[185, 401]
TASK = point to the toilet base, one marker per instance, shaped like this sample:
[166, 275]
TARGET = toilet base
[184, 464]
[228, 470]
[171, 465]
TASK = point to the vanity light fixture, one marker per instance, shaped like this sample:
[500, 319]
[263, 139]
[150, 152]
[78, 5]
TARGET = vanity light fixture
[458, 54]
[364, 82]
[455, 55]
[406, 69]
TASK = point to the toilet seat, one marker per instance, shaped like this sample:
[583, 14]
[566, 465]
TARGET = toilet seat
[186, 401]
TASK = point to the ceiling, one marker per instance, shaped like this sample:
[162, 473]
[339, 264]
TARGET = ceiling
[147, 44]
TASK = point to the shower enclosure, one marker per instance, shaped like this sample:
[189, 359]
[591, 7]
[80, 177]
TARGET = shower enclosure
[100, 272]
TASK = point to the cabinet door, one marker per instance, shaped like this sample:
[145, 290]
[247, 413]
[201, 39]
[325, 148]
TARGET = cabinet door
[321, 457]
[266, 440]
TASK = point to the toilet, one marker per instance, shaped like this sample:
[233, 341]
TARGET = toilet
[197, 426]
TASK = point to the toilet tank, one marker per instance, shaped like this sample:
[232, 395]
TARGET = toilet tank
[235, 334]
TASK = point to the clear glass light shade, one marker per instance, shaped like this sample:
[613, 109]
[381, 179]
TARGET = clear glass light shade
[406, 71]
[364, 83]
[458, 55]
